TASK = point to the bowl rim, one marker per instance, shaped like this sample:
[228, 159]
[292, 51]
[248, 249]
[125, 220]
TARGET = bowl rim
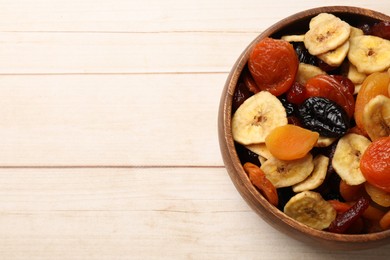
[240, 179]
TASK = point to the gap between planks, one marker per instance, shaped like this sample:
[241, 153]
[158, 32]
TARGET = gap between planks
[114, 167]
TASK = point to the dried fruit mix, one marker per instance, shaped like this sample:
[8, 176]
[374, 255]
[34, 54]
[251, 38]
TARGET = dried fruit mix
[311, 124]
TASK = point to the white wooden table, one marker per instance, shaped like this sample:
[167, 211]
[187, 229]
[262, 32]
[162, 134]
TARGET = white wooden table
[108, 131]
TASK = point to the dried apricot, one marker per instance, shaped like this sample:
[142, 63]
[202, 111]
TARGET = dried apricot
[385, 221]
[377, 195]
[375, 163]
[351, 192]
[339, 206]
[373, 213]
[273, 65]
[259, 180]
[329, 87]
[375, 84]
[290, 142]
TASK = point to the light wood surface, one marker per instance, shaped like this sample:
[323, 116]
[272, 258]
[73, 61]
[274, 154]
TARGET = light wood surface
[109, 146]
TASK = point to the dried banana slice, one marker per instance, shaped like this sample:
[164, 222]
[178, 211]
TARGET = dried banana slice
[346, 158]
[317, 177]
[307, 71]
[311, 209]
[357, 89]
[369, 53]
[326, 33]
[262, 159]
[294, 38]
[335, 57]
[325, 141]
[256, 117]
[287, 173]
[355, 32]
[260, 149]
[376, 117]
[354, 75]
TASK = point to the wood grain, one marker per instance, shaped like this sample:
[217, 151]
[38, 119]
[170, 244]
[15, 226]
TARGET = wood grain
[108, 130]
[110, 120]
[65, 53]
[137, 213]
[156, 16]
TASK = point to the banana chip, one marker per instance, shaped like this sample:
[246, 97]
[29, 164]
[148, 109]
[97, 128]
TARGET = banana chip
[346, 158]
[369, 53]
[376, 117]
[310, 208]
[256, 117]
[287, 173]
[327, 32]
[317, 177]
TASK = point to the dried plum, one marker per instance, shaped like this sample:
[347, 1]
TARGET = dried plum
[324, 116]
[290, 108]
[303, 54]
[246, 155]
[381, 29]
[241, 94]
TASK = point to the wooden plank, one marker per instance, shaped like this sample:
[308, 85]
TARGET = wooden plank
[156, 15]
[110, 120]
[36, 53]
[138, 213]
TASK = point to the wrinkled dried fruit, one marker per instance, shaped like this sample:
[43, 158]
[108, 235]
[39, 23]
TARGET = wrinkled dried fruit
[375, 163]
[345, 220]
[332, 88]
[381, 29]
[257, 177]
[273, 65]
[324, 116]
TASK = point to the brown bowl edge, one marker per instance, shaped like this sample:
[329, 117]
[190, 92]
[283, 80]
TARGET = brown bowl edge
[256, 201]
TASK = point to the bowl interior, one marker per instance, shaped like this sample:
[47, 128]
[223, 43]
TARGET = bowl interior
[295, 24]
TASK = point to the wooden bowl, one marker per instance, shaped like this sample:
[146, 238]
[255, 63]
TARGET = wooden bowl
[295, 24]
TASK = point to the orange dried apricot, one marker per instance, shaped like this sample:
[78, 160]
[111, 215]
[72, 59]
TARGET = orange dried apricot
[329, 87]
[375, 163]
[260, 181]
[377, 195]
[375, 84]
[351, 192]
[373, 213]
[290, 142]
[339, 206]
[273, 65]
[385, 221]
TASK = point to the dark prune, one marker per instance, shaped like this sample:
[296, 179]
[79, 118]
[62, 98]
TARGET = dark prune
[366, 28]
[284, 195]
[324, 116]
[246, 155]
[240, 95]
[326, 67]
[290, 108]
[303, 54]
[381, 29]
